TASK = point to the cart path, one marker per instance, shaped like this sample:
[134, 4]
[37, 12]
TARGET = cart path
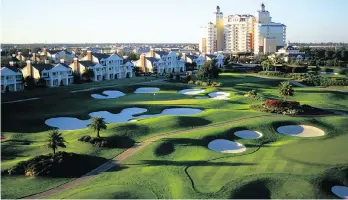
[129, 152]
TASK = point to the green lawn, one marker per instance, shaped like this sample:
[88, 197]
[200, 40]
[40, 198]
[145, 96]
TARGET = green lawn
[276, 166]
[25, 132]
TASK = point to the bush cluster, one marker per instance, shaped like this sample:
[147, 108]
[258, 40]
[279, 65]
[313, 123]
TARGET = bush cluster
[297, 76]
[313, 80]
[97, 142]
[61, 164]
[252, 94]
[280, 107]
[205, 83]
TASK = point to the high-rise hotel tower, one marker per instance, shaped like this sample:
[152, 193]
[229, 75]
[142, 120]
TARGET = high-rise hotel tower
[243, 33]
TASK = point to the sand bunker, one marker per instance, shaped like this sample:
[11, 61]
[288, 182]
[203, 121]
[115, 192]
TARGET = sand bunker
[109, 94]
[191, 91]
[147, 90]
[247, 134]
[226, 146]
[67, 123]
[71, 123]
[173, 111]
[340, 191]
[219, 95]
[124, 116]
[301, 131]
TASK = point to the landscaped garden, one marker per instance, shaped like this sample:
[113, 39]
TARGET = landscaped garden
[262, 153]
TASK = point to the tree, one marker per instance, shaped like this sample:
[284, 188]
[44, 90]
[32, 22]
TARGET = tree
[88, 74]
[285, 90]
[133, 56]
[29, 82]
[209, 70]
[266, 64]
[41, 82]
[97, 124]
[55, 140]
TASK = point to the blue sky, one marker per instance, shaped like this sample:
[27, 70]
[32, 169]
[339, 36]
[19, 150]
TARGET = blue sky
[78, 21]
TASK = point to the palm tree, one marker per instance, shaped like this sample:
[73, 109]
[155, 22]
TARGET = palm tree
[266, 64]
[97, 124]
[55, 140]
[285, 89]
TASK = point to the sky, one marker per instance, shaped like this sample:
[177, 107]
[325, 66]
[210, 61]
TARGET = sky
[160, 21]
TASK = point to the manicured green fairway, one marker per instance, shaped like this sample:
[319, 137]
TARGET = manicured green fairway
[264, 167]
[156, 172]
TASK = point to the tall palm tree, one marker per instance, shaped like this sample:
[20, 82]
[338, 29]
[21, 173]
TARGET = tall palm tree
[97, 124]
[285, 89]
[55, 140]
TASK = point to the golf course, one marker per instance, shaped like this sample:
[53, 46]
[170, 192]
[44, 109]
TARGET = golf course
[178, 140]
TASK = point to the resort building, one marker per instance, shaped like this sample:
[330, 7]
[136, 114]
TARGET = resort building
[290, 52]
[162, 61]
[239, 33]
[56, 55]
[54, 74]
[11, 79]
[104, 66]
[268, 36]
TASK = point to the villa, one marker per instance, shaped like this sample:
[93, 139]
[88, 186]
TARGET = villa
[104, 66]
[11, 79]
[54, 74]
[164, 62]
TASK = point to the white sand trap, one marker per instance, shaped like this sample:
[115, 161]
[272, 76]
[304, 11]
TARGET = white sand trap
[301, 131]
[247, 134]
[67, 123]
[340, 191]
[109, 94]
[226, 146]
[146, 90]
[173, 111]
[219, 95]
[191, 91]
[202, 97]
[124, 116]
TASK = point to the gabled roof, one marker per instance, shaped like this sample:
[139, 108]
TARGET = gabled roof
[100, 56]
[161, 53]
[211, 56]
[152, 60]
[10, 71]
[192, 57]
[42, 67]
[86, 63]
[53, 51]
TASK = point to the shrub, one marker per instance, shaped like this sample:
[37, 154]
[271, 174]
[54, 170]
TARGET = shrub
[191, 82]
[216, 84]
[204, 83]
[61, 164]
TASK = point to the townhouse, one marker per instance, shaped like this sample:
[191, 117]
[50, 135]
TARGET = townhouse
[11, 79]
[56, 55]
[104, 66]
[161, 61]
[54, 74]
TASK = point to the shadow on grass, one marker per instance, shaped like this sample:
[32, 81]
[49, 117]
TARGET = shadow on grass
[254, 190]
[186, 163]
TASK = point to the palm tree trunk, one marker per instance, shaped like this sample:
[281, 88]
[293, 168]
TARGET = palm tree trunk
[54, 151]
[98, 133]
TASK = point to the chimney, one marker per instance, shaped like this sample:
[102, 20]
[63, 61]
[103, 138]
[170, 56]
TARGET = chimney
[44, 51]
[184, 56]
[142, 62]
[76, 65]
[29, 68]
[89, 55]
[34, 57]
[11, 63]
[152, 53]
[61, 60]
